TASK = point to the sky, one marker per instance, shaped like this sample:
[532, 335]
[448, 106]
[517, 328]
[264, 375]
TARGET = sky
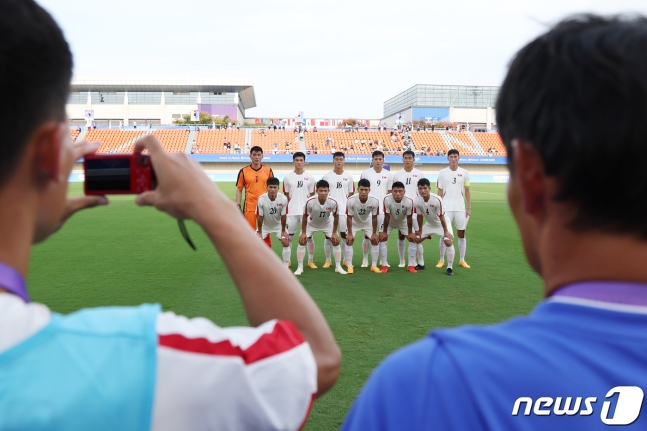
[333, 59]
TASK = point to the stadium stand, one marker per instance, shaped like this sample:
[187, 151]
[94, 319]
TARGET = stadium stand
[173, 141]
[367, 142]
[432, 142]
[114, 141]
[74, 133]
[211, 141]
[491, 141]
[267, 138]
[429, 143]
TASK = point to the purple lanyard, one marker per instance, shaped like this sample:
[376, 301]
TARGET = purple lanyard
[13, 282]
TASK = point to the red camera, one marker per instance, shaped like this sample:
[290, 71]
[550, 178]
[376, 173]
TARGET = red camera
[118, 174]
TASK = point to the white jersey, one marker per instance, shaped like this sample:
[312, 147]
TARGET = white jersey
[271, 211]
[380, 183]
[340, 187]
[299, 188]
[453, 184]
[398, 210]
[320, 215]
[432, 210]
[363, 212]
[410, 181]
[206, 376]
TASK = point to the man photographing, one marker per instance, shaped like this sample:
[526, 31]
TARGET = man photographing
[132, 368]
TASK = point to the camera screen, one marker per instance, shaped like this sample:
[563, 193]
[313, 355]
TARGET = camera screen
[107, 174]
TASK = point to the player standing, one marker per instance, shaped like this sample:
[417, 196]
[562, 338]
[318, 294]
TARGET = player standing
[362, 211]
[271, 210]
[398, 211]
[451, 183]
[409, 176]
[253, 179]
[320, 215]
[381, 181]
[341, 188]
[298, 186]
[429, 207]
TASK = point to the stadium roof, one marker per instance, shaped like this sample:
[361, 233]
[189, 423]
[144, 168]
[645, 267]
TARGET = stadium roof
[241, 85]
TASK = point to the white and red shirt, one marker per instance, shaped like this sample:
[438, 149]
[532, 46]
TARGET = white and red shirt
[453, 183]
[398, 210]
[208, 377]
[299, 188]
[363, 212]
[410, 181]
[340, 187]
[381, 182]
[432, 209]
[320, 215]
[272, 211]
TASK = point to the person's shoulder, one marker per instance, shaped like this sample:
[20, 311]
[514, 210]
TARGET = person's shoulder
[263, 197]
[329, 174]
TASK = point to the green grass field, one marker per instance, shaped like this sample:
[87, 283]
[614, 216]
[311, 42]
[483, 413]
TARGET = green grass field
[126, 255]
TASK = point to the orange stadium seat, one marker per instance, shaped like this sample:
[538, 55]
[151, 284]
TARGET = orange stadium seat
[345, 141]
[173, 140]
[491, 141]
[74, 133]
[113, 141]
[211, 141]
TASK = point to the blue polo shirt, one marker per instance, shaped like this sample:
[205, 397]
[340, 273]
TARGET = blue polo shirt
[577, 362]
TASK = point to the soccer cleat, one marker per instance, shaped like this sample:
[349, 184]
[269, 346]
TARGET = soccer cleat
[376, 269]
[289, 264]
[419, 267]
[385, 269]
[344, 263]
[299, 271]
[440, 264]
[463, 264]
[351, 270]
[402, 264]
[340, 270]
[365, 264]
[450, 271]
[312, 265]
[412, 269]
[327, 264]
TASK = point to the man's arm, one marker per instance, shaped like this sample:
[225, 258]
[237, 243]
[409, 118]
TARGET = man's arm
[259, 224]
[440, 192]
[239, 197]
[284, 219]
[269, 292]
[387, 219]
[468, 199]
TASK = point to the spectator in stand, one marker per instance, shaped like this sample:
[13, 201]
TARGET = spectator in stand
[247, 148]
[314, 129]
[370, 143]
[333, 150]
[328, 141]
[379, 147]
[363, 141]
[237, 148]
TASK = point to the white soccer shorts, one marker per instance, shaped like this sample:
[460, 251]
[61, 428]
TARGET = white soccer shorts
[457, 217]
[403, 229]
[366, 229]
[292, 222]
[429, 229]
[327, 230]
[275, 232]
[343, 223]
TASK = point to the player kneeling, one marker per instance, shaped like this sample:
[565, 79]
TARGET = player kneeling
[429, 206]
[398, 210]
[271, 211]
[362, 211]
[320, 215]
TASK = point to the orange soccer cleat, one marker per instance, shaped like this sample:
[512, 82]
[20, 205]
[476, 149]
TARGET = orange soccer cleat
[463, 264]
[412, 269]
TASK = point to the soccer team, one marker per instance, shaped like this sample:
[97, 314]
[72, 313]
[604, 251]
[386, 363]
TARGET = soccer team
[383, 202]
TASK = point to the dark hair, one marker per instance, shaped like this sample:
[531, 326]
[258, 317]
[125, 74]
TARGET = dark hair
[424, 182]
[323, 183]
[578, 95]
[410, 153]
[298, 154]
[377, 153]
[363, 183]
[35, 73]
[397, 185]
[453, 151]
[338, 154]
[256, 149]
[272, 181]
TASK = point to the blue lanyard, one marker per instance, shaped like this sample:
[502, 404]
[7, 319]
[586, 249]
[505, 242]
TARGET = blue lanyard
[13, 282]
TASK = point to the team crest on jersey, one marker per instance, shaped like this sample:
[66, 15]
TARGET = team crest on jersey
[460, 175]
[415, 176]
[279, 205]
[306, 179]
[369, 207]
[383, 177]
[328, 209]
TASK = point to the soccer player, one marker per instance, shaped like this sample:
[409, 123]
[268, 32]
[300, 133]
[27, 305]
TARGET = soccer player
[381, 181]
[342, 187]
[409, 176]
[320, 215]
[431, 220]
[271, 211]
[451, 183]
[298, 186]
[253, 179]
[398, 215]
[362, 211]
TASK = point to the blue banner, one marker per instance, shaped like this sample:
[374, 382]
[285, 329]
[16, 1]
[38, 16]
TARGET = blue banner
[286, 158]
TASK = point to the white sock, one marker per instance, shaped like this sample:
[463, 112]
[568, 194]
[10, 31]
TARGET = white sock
[365, 245]
[462, 246]
[443, 249]
[301, 253]
[337, 251]
[413, 248]
[287, 252]
[327, 249]
[349, 255]
[311, 249]
[383, 251]
[450, 256]
[420, 252]
[420, 257]
[342, 244]
[401, 249]
[375, 253]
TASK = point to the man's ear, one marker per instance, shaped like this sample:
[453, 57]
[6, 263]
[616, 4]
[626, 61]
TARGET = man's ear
[46, 146]
[529, 169]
